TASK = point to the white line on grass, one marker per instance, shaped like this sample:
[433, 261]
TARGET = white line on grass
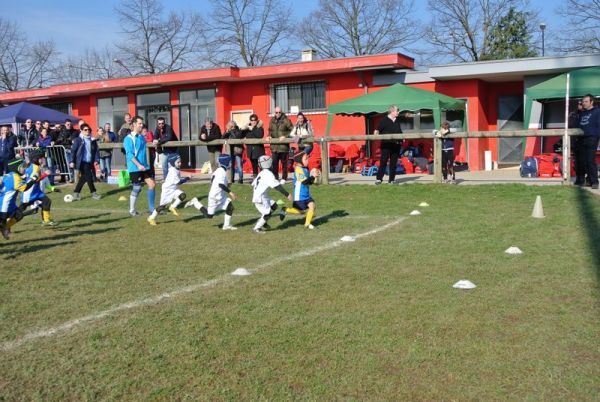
[70, 325]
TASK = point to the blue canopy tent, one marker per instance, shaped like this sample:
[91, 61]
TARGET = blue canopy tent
[20, 112]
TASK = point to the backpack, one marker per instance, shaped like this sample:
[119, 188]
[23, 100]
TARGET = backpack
[529, 167]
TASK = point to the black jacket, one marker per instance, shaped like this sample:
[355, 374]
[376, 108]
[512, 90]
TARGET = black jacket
[215, 134]
[163, 136]
[66, 137]
[255, 151]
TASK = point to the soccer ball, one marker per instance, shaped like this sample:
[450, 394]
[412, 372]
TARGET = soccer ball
[68, 198]
[316, 173]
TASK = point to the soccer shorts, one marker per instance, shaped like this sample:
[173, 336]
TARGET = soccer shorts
[216, 204]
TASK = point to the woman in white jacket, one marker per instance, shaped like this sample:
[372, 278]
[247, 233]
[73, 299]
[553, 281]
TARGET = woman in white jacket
[301, 131]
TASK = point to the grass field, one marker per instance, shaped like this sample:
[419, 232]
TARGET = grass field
[105, 307]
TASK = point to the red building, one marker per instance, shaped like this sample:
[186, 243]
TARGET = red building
[494, 92]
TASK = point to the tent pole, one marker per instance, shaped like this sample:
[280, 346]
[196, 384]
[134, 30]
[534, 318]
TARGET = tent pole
[437, 159]
[324, 160]
[566, 148]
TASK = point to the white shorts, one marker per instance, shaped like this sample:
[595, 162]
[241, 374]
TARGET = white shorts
[166, 197]
[264, 207]
[214, 205]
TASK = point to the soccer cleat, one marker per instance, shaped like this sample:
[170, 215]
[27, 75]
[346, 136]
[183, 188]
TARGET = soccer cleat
[309, 226]
[76, 197]
[133, 212]
[173, 210]
[6, 233]
[230, 227]
[377, 182]
[96, 196]
[151, 221]
[49, 223]
[282, 214]
[258, 231]
[190, 203]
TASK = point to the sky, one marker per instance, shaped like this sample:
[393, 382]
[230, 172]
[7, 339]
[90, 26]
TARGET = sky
[75, 25]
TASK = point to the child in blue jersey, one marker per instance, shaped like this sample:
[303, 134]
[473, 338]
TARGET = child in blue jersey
[12, 184]
[34, 197]
[303, 202]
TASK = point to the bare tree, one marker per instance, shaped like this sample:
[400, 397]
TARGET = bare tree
[248, 32]
[23, 65]
[460, 29]
[340, 28]
[93, 64]
[581, 32]
[155, 44]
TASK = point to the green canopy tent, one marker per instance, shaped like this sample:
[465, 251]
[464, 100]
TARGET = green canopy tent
[405, 97]
[581, 82]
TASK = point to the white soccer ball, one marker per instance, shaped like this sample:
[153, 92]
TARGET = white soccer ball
[68, 198]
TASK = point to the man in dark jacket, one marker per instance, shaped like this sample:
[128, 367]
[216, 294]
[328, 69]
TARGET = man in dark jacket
[8, 143]
[279, 128]
[84, 150]
[211, 131]
[236, 151]
[254, 129]
[163, 134]
[589, 123]
[65, 138]
[27, 135]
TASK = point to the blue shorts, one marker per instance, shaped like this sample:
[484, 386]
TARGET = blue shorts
[302, 205]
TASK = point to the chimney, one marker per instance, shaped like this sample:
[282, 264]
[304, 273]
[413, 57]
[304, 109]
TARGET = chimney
[309, 54]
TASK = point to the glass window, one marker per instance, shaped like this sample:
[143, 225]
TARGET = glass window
[111, 110]
[161, 98]
[307, 96]
[202, 105]
[64, 107]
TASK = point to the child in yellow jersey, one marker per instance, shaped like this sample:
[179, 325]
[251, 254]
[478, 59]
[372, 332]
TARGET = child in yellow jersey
[303, 202]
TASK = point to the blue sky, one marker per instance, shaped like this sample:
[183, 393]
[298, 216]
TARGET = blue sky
[77, 25]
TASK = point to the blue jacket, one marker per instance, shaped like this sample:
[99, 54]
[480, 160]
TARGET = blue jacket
[589, 122]
[77, 151]
[7, 147]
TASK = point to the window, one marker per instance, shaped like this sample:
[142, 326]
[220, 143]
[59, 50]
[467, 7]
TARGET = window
[61, 107]
[305, 97]
[111, 110]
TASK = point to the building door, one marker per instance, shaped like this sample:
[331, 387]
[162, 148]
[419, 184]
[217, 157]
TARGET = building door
[195, 106]
[510, 118]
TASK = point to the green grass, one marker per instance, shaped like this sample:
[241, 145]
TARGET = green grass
[376, 319]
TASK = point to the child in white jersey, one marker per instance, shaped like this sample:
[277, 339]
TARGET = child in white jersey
[260, 197]
[171, 196]
[219, 196]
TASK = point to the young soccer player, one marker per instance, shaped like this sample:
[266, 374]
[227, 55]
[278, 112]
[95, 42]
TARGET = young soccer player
[260, 197]
[34, 197]
[303, 202]
[12, 184]
[171, 196]
[218, 195]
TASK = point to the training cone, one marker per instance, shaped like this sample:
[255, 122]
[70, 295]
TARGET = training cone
[122, 198]
[423, 204]
[415, 213]
[241, 272]
[538, 209]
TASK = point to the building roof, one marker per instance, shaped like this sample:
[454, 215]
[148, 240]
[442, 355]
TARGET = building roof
[289, 70]
[512, 70]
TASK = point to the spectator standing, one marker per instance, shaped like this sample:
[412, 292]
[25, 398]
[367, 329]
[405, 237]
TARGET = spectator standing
[84, 152]
[390, 149]
[8, 143]
[65, 138]
[589, 123]
[233, 132]
[211, 131]
[27, 135]
[447, 153]
[126, 127]
[301, 131]
[44, 141]
[138, 166]
[279, 128]
[163, 134]
[38, 125]
[255, 130]
[106, 137]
